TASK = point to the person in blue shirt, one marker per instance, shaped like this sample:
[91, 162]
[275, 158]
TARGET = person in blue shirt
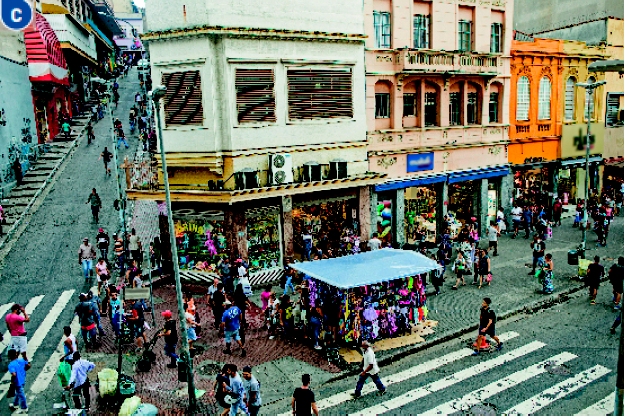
[237, 390]
[230, 324]
[79, 381]
[17, 368]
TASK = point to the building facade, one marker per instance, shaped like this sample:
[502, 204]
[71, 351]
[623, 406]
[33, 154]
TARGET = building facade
[263, 125]
[437, 83]
[129, 41]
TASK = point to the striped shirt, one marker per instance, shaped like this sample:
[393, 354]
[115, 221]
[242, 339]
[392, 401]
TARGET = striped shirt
[118, 247]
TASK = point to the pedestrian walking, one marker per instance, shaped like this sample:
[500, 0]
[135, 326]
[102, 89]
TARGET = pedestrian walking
[538, 247]
[90, 135]
[374, 243]
[288, 283]
[516, 217]
[595, 272]
[286, 318]
[307, 244]
[527, 218]
[487, 326]
[97, 303]
[437, 275]
[103, 242]
[17, 369]
[616, 277]
[15, 325]
[316, 323]
[236, 391]
[369, 369]
[119, 253]
[135, 247]
[230, 325]
[79, 382]
[106, 157]
[87, 312]
[253, 401]
[211, 291]
[66, 129]
[86, 255]
[191, 324]
[303, 401]
[69, 346]
[138, 322]
[170, 332]
[485, 275]
[115, 312]
[546, 274]
[493, 234]
[557, 211]
[218, 299]
[460, 268]
[96, 203]
[121, 137]
[219, 390]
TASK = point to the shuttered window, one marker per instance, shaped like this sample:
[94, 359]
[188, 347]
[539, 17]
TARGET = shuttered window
[319, 93]
[523, 99]
[544, 99]
[614, 114]
[255, 95]
[570, 96]
[183, 100]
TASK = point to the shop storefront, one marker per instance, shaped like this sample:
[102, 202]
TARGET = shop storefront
[571, 186]
[421, 206]
[534, 182]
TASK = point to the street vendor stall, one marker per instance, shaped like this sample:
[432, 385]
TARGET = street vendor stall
[372, 295]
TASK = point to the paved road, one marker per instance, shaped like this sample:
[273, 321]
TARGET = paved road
[447, 379]
[41, 271]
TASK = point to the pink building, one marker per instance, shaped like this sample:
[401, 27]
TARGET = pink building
[437, 98]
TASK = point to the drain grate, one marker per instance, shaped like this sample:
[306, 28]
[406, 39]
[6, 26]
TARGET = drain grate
[483, 409]
[560, 370]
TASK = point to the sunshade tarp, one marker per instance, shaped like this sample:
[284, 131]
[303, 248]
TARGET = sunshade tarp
[367, 268]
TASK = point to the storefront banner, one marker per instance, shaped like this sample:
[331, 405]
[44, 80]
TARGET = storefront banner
[419, 162]
[478, 174]
[574, 137]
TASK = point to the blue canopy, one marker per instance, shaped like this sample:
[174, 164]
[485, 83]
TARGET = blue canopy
[367, 268]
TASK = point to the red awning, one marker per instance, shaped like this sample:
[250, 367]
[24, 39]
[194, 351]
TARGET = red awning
[44, 54]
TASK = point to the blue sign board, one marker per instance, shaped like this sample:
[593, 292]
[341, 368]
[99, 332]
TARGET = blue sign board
[419, 161]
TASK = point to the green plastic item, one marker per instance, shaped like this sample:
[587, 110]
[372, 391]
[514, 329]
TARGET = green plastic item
[146, 409]
[129, 406]
[64, 373]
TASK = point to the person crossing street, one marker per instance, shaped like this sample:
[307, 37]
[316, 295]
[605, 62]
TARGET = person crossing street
[86, 255]
[103, 241]
[79, 382]
[106, 157]
[487, 326]
[369, 369]
[170, 332]
[96, 203]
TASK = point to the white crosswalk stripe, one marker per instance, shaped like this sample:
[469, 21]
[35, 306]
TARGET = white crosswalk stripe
[415, 371]
[446, 382]
[603, 407]
[5, 308]
[39, 335]
[558, 391]
[497, 386]
[30, 308]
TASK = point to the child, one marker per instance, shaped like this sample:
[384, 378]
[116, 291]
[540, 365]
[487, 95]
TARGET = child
[17, 368]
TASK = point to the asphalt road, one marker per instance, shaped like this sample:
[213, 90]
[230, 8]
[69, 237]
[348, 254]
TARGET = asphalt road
[42, 268]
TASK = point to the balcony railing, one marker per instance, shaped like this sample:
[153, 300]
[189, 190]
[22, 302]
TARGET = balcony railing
[441, 61]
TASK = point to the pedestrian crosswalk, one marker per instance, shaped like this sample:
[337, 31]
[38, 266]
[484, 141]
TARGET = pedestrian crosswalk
[408, 402]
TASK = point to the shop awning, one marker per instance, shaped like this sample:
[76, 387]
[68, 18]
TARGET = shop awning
[472, 175]
[534, 165]
[581, 161]
[413, 181]
[367, 268]
[43, 52]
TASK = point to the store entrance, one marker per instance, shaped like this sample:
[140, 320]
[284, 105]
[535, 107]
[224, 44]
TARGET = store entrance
[464, 201]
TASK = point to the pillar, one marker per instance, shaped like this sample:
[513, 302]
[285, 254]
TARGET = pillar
[287, 227]
[365, 212]
[236, 232]
[507, 194]
[400, 217]
[442, 200]
[483, 218]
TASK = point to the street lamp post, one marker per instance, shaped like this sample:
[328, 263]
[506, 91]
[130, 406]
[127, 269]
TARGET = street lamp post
[155, 95]
[590, 88]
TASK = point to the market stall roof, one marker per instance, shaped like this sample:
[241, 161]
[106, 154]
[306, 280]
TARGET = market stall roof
[367, 268]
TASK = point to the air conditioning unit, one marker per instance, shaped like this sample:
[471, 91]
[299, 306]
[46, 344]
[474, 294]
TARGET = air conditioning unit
[337, 169]
[246, 178]
[311, 172]
[280, 169]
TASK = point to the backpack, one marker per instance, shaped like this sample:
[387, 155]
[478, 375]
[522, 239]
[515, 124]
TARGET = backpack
[288, 312]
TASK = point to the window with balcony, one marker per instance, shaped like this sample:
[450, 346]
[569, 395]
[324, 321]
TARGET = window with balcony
[544, 99]
[493, 107]
[570, 98]
[465, 35]
[496, 38]
[381, 22]
[382, 105]
[409, 105]
[589, 100]
[421, 31]
[183, 100]
[319, 93]
[523, 99]
[472, 108]
[255, 95]
[455, 108]
[431, 109]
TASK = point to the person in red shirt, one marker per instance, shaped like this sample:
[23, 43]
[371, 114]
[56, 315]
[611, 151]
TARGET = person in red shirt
[15, 324]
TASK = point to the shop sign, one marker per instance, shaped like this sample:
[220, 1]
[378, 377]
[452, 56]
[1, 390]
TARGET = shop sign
[492, 203]
[574, 137]
[419, 162]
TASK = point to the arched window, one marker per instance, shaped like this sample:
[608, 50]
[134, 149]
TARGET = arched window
[589, 99]
[523, 99]
[544, 99]
[570, 95]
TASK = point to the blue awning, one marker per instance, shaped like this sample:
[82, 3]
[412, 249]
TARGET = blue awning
[472, 175]
[409, 182]
[367, 268]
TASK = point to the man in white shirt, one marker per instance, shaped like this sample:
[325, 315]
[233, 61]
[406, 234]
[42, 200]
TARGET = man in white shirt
[79, 382]
[493, 233]
[369, 369]
[374, 243]
[516, 216]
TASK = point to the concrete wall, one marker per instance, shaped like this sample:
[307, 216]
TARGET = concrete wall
[593, 33]
[12, 45]
[321, 15]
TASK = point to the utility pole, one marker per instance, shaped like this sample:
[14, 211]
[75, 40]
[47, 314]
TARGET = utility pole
[156, 94]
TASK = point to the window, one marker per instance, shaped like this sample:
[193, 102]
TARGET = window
[523, 99]
[319, 93]
[615, 115]
[382, 30]
[493, 107]
[421, 31]
[589, 99]
[71, 6]
[465, 35]
[409, 105]
[570, 96]
[472, 108]
[183, 100]
[544, 99]
[496, 38]
[431, 109]
[255, 97]
[454, 108]
[382, 105]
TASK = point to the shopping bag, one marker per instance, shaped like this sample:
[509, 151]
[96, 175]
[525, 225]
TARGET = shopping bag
[64, 373]
[488, 278]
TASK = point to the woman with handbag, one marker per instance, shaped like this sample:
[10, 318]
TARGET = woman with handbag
[484, 268]
[460, 268]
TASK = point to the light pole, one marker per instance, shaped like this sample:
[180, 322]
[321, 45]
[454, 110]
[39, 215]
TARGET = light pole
[155, 95]
[590, 88]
